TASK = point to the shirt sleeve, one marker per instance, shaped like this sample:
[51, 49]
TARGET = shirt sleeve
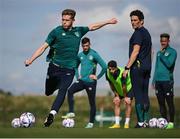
[76, 69]
[168, 60]
[103, 65]
[137, 38]
[84, 30]
[154, 76]
[51, 38]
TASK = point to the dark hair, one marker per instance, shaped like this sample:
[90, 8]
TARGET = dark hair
[70, 12]
[85, 40]
[137, 13]
[166, 35]
[112, 63]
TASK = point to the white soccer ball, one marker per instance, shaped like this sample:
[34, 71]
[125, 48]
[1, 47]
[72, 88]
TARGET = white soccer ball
[162, 123]
[16, 123]
[31, 117]
[68, 123]
[153, 122]
[25, 120]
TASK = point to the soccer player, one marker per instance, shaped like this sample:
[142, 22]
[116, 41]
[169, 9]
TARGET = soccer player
[64, 43]
[139, 64]
[122, 89]
[87, 79]
[163, 80]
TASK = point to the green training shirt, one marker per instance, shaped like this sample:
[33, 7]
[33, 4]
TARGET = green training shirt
[165, 63]
[89, 63]
[117, 83]
[65, 45]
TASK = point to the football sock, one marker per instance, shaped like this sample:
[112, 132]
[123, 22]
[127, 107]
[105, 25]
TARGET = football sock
[117, 120]
[127, 120]
[53, 112]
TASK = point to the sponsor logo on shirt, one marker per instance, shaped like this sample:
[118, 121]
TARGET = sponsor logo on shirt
[63, 34]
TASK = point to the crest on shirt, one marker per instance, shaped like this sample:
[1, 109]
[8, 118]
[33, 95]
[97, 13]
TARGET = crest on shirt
[166, 54]
[90, 57]
[81, 58]
[77, 34]
[63, 34]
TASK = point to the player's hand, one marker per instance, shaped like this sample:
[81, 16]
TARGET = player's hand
[79, 77]
[112, 21]
[127, 100]
[116, 100]
[125, 73]
[93, 77]
[27, 62]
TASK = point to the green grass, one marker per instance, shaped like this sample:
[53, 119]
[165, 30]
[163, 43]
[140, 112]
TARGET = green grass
[57, 132]
[13, 106]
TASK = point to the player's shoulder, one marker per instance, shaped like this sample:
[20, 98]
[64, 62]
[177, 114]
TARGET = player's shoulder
[94, 51]
[57, 29]
[80, 54]
[172, 50]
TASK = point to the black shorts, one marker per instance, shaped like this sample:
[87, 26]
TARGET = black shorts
[164, 88]
[58, 78]
[129, 95]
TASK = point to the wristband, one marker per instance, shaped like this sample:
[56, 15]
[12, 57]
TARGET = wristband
[126, 68]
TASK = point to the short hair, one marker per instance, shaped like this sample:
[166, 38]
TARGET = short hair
[137, 13]
[85, 40]
[70, 12]
[165, 35]
[112, 63]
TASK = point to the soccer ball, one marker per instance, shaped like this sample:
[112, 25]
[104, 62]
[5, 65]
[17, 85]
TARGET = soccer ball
[16, 123]
[68, 123]
[27, 119]
[31, 117]
[153, 122]
[162, 123]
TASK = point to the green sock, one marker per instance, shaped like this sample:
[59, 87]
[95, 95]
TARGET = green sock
[146, 116]
[139, 112]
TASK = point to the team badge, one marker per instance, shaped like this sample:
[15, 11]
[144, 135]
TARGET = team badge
[77, 34]
[90, 57]
[166, 54]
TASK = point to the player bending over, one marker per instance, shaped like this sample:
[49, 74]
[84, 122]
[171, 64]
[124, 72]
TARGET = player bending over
[122, 90]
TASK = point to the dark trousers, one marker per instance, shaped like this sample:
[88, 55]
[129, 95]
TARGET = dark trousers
[140, 84]
[165, 93]
[61, 79]
[90, 88]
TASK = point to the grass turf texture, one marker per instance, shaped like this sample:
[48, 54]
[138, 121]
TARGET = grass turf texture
[13, 106]
[57, 132]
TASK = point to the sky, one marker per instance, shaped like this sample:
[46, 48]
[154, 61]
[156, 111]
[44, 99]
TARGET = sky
[25, 24]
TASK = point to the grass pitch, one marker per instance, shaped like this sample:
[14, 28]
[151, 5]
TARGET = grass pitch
[13, 106]
[56, 132]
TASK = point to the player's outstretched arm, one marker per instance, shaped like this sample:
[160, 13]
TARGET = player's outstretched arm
[99, 25]
[36, 54]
